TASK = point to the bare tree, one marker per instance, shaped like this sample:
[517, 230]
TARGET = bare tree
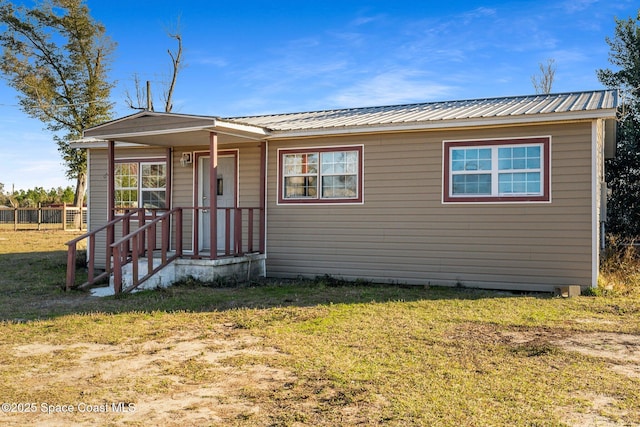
[544, 82]
[176, 64]
[139, 101]
[143, 98]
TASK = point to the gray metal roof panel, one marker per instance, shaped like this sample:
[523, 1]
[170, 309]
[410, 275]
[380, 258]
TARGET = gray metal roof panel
[436, 111]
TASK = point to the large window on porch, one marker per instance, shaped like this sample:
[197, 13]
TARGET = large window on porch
[140, 184]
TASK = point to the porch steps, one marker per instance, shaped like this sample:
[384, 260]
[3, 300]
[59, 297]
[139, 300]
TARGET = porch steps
[243, 267]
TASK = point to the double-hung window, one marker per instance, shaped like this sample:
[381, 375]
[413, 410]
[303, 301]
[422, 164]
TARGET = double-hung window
[497, 170]
[140, 184]
[321, 175]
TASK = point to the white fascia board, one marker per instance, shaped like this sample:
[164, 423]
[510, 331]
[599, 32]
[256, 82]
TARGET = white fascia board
[259, 132]
[118, 136]
[101, 143]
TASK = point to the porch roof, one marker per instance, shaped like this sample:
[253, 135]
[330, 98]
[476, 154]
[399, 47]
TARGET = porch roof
[169, 129]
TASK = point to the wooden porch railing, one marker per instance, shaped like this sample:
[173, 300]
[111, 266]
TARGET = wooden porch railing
[240, 237]
[234, 244]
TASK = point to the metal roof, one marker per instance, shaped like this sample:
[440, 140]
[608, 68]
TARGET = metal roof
[525, 107]
[161, 128]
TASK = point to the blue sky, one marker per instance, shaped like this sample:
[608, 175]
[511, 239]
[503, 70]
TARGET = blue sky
[254, 57]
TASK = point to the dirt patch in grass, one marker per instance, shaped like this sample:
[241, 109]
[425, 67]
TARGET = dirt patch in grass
[182, 379]
[620, 351]
[617, 348]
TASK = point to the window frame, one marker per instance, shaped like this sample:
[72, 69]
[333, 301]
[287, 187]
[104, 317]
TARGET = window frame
[318, 199]
[121, 210]
[495, 144]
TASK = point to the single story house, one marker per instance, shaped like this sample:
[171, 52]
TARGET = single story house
[500, 193]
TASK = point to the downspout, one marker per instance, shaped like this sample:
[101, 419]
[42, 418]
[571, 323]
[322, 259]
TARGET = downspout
[597, 201]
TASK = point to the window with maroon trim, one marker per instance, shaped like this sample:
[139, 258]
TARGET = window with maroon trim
[140, 184]
[497, 171]
[321, 175]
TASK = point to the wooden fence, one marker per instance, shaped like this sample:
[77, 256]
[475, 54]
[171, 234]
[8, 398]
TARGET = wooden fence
[60, 217]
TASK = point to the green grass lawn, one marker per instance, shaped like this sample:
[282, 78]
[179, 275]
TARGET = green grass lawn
[297, 353]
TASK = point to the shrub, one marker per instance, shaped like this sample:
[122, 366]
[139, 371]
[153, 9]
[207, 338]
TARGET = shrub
[620, 267]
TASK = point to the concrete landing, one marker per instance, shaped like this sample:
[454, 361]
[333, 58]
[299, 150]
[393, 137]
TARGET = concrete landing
[207, 270]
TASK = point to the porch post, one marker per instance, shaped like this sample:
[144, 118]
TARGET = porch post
[111, 202]
[263, 192]
[213, 193]
[169, 175]
[111, 184]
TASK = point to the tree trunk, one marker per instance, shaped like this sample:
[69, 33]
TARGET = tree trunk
[78, 199]
[81, 188]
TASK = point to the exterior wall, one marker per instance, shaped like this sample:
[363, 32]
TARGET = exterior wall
[404, 233]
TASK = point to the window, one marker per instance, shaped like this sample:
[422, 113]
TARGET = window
[141, 184]
[496, 171]
[323, 175]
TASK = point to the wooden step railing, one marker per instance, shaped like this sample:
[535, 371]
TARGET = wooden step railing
[91, 237]
[142, 243]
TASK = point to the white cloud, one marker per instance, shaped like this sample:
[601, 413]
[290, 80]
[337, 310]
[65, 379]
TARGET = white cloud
[392, 87]
[211, 60]
[363, 20]
[572, 6]
[480, 12]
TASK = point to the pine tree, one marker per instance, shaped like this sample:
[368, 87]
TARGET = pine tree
[56, 57]
[623, 172]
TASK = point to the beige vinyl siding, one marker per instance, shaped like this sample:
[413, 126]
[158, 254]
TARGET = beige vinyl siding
[182, 193]
[249, 189]
[404, 233]
[97, 201]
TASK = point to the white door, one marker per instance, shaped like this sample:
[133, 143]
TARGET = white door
[226, 194]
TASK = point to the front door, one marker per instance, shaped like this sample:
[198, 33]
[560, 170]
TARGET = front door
[226, 198]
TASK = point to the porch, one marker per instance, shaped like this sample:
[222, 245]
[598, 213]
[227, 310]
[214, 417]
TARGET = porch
[197, 216]
[152, 255]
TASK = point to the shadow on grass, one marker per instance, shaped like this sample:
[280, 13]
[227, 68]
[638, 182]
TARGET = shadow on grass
[32, 288]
